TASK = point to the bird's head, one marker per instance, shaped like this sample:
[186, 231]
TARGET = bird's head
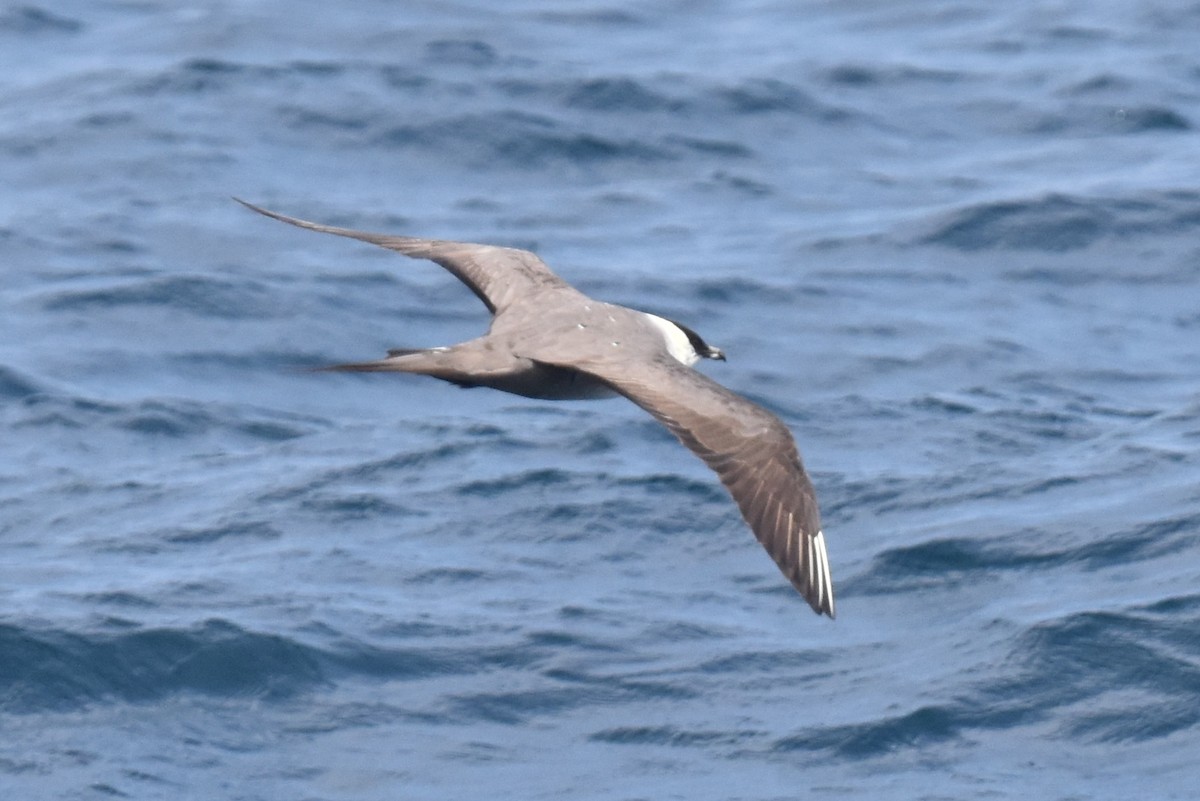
[702, 348]
[685, 344]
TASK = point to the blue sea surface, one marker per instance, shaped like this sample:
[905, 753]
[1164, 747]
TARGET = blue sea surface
[954, 245]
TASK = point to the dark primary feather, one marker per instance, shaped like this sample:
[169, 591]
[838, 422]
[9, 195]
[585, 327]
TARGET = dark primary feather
[753, 453]
[497, 275]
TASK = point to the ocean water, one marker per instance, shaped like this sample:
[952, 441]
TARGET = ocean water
[954, 245]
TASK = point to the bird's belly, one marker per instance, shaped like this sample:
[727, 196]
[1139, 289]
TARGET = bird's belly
[551, 383]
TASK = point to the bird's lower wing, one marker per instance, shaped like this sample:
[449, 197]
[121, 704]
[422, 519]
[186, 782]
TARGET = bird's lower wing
[753, 453]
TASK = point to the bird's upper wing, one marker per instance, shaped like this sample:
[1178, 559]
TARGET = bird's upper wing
[753, 453]
[497, 275]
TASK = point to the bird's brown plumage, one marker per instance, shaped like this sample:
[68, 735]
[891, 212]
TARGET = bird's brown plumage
[548, 340]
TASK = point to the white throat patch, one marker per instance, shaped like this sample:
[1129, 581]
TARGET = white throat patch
[676, 341]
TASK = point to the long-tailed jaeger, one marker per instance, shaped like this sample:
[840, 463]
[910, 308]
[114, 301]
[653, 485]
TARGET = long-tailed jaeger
[548, 340]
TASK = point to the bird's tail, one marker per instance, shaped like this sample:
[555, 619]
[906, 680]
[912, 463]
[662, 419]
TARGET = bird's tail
[436, 362]
[393, 363]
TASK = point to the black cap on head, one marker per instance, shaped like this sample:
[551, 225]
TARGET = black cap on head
[701, 347]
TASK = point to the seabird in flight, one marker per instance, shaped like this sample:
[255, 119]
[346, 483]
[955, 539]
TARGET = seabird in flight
[548, 340]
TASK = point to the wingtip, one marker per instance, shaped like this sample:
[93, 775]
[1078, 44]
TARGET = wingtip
[820, 582]
[253, 207]
[823, 606]
[299, 223]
